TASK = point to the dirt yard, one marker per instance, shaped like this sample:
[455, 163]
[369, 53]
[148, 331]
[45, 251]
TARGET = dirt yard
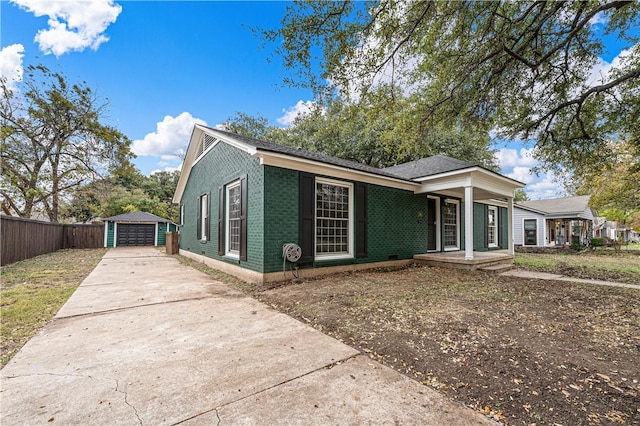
[521, 351]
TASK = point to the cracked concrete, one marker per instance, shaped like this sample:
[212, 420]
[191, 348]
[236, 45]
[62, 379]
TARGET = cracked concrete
[183, 348]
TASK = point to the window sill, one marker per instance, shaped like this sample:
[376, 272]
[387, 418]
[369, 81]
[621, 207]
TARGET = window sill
[333, 257]
[233, 256]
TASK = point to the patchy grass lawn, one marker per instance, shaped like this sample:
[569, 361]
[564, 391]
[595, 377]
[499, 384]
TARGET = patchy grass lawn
[601, 265]
[33, 290]
[520, 351]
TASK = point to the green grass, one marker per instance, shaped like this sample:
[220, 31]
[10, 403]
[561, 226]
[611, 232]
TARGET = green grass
[597, 261]
[33, 290]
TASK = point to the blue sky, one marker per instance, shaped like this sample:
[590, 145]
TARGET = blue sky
[167, 65]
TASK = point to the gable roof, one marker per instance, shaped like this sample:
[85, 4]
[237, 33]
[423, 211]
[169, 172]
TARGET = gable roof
[308, 155]
[136, 217]
[558, 206]
[428, 167]
[409, 176]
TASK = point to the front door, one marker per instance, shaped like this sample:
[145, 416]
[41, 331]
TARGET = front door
[433, 230]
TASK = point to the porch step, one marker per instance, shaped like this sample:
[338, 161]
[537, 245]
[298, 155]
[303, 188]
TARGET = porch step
[497, 268]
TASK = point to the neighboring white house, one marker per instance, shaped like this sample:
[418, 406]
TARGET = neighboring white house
[553, 222]
[614, 231]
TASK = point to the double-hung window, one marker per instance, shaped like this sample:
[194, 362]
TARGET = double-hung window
[334, 219]
[492, 226]
[203, 218]
[233, 214]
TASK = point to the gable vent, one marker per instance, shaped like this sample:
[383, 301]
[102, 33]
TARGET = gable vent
[206, 142]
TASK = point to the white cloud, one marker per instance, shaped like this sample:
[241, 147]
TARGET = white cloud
[166, 169]
[290, 114]
[518, 164]
[170, 139]
[508, 157]
[601, 72]
[11, 64]
[73, 25]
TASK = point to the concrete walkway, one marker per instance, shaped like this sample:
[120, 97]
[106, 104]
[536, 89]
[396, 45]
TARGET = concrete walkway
[147, 341]
[555, 277]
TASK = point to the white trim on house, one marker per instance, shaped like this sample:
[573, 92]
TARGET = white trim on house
[234, 254]
[155, 240]
[350, 236]
[457, 246]
[115, 234]
[106, 233]
[302, 164]
[493, 210]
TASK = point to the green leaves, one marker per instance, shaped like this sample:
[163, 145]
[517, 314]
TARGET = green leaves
[524, 68]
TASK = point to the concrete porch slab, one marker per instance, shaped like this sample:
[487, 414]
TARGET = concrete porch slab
[456, 259]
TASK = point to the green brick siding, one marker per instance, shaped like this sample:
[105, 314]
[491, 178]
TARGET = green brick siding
[110, 233]
[397, 224]
[280, 215]
[479, 229]
[222, 165]
[504, 231]
[396, 221]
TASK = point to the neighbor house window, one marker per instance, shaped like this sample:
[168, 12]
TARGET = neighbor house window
[492, 226]
[450, 219]
[334, 221]
[530, 232]
[203, 217]
[233, 219]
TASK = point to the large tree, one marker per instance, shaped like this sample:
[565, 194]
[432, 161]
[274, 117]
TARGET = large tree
[522, 68]
[52, 141]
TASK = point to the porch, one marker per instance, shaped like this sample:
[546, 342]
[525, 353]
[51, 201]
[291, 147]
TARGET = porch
[487, 260]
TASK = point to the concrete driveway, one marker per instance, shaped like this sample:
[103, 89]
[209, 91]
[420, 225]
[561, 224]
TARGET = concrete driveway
[147, 341]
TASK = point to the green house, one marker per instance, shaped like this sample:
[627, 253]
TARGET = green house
[244, 201]
[136, 229]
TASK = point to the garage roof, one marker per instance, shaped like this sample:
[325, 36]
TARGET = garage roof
[136, 217]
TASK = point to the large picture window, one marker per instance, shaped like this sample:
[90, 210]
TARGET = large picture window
[334, 219]
[451, 219]
[492, 226]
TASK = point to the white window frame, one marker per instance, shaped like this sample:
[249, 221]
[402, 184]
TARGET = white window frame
[204, 204]
[181, 215]
[496, 226]
[227, 250]
[350, 233]
[457, 246]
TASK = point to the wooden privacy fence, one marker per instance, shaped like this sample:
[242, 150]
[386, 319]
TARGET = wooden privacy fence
[24, 238]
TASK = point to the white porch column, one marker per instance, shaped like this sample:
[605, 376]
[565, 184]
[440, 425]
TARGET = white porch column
[510, 224]
[468, 222]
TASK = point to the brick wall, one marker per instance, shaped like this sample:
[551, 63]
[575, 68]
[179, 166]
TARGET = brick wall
[220, 166]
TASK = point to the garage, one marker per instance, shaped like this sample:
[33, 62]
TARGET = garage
[136, 234]
[136, 229]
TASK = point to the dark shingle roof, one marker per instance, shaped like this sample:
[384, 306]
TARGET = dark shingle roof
[308, 155]
[136, 217]
[428, 167]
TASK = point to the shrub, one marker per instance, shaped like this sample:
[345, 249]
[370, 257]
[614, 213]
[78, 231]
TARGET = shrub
[596, 242]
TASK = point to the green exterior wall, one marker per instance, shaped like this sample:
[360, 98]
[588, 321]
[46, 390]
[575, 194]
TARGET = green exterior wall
[396, 219]
[110, 233]
[162, 232]
[224, 164]
[480, 229]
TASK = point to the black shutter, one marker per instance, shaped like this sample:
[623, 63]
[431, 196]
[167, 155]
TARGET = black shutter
[499, 232]
[199, 218]
[207, 222]
[243, 217]
[221, 221]
[486, 225]
[361, 219]
[306, 215]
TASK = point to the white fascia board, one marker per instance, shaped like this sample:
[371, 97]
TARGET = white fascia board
[190, 158]
[302, 164]
[474, 169]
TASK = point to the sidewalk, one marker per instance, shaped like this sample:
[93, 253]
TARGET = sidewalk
[555, 277]
[147, 341]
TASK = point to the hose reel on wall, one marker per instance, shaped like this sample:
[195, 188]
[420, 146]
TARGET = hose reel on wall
[291, 253]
